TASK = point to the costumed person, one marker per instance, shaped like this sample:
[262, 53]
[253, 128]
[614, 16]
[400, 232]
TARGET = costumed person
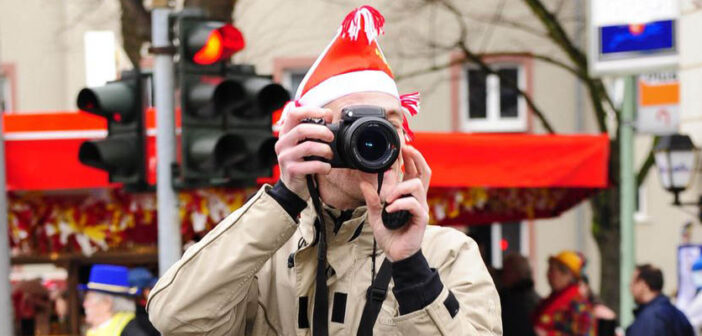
[655, 315]
[312, 255]
[566, 311]
[109, 302]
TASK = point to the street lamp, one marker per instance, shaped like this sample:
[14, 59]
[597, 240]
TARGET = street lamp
[676, 159]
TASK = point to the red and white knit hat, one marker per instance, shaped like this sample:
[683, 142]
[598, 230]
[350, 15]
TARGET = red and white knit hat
[352, 63]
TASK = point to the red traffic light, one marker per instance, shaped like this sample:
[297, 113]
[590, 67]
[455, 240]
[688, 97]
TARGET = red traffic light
[221, 44]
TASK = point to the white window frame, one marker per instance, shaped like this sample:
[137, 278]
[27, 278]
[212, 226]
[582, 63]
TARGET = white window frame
[493, 122]
[496, 242]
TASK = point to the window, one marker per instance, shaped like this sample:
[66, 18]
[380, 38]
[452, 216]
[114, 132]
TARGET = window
[491, 101]
[640, 215]
[292, 78]
[500, 239]
[7, 103]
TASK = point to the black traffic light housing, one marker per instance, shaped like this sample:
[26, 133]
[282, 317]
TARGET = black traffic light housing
[226, 110]
[121, 154]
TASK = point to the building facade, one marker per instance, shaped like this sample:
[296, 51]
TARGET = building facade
[44, 66]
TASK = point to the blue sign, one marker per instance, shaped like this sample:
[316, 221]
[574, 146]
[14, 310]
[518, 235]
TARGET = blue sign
[652, 37]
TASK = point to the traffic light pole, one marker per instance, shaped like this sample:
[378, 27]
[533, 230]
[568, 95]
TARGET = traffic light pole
[169, 241]
[628, 194]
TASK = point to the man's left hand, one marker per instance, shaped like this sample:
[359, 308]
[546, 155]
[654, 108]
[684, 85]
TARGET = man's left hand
[406, 241]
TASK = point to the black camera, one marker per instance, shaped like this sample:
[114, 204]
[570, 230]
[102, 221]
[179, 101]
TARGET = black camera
[364, 139]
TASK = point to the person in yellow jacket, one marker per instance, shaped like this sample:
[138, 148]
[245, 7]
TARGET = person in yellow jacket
[286, 264]
[109, 302]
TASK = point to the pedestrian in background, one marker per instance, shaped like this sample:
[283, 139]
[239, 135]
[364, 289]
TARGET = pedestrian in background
[566, 311]
[605, 317]
[109, 303]
[517, 296]
[655, 315]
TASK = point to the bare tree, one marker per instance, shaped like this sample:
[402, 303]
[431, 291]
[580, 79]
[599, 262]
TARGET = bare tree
[550, 24]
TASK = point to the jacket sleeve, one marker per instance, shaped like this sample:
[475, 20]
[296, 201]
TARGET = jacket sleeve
[468, 303]
[205, 292]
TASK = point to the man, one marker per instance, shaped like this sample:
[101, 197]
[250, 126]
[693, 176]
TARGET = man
[109, 302]
[257, 272]
[565, 311]
[655, 315]
[517, 296]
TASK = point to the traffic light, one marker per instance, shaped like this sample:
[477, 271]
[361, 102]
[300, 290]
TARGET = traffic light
[121, 153]
[226, 110]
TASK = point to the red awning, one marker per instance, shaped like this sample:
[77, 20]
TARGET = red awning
[476, 178]
[487, 178]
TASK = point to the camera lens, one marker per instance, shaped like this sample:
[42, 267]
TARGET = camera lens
[371, 144]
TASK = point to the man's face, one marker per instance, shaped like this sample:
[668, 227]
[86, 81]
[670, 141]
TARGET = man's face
[97, 308]
[637, 288]
[344, 182]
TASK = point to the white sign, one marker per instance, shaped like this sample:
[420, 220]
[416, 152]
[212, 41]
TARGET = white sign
[632, 36]
[614, 12]
[659, 97]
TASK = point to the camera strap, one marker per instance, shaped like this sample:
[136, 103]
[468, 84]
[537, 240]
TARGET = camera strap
[377, 291]
[320, 315]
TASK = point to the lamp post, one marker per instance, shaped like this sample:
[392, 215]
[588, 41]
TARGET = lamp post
[676, 160]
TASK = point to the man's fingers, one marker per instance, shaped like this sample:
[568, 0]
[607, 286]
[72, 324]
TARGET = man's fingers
[410, 167]
[423, 170]
[308, 168]
[298, 114]
[410, 204]
[301, 133]
[305, 149]
[412, 187]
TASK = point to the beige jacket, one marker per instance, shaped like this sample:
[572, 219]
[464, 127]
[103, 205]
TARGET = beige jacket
[238, 280]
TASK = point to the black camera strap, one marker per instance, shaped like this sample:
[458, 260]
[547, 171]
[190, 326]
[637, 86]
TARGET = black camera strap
[377, 291]
[320, 315]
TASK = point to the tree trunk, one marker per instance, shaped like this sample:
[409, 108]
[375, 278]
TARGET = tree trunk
[136, 29]
[606, 231]
[215, 9]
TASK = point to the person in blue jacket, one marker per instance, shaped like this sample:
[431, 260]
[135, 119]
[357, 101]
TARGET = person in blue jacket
[655, 314]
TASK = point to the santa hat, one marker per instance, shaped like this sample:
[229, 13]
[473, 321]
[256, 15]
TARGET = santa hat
[352, 63]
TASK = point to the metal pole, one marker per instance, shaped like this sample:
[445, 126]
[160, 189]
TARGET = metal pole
[627, 191]
[6, 315]
[169, 242]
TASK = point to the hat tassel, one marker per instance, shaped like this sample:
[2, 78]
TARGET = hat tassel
[364, 19]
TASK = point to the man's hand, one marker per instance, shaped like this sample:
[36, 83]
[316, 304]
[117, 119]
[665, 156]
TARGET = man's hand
[407, 240]
[292, 147]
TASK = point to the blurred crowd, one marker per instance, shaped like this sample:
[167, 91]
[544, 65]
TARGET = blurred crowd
[572, 308]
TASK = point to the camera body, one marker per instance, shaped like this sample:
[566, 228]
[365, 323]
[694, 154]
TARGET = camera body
[363, 139]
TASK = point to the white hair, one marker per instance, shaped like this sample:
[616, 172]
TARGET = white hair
[119, 303]
[122, 304]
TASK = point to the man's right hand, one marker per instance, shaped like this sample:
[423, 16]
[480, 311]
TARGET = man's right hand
[292, 147]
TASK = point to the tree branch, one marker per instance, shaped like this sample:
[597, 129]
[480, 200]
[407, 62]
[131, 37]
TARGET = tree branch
[647, 164]
[470, 56]
[487, 69]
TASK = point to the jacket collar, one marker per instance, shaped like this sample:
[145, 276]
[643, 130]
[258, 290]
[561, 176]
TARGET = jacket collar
[658, 300]
[349, 239]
